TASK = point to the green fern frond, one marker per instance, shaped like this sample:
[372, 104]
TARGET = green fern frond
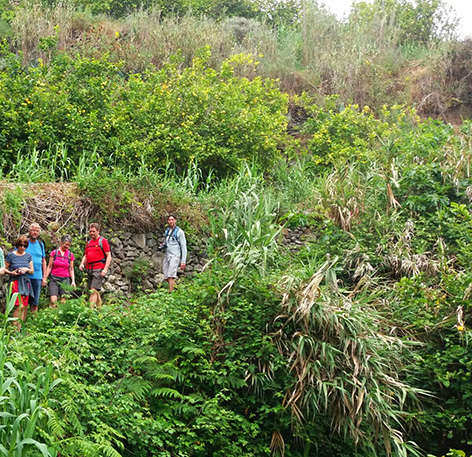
[55, 425]
[109, 451]
[193, 350]
[145, 359]
[165, 392]
[136, 386]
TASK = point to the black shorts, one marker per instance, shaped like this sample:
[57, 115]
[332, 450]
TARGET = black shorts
[55, 288]
[94, 279]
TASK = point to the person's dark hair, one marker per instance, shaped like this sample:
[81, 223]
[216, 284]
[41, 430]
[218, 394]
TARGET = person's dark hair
[171, 215]
[22, 240]
[66, 238]
[95, 226]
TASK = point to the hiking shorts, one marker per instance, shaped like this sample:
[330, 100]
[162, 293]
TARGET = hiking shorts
[94, 280]
[170, 266]
[55, 288]
[24, 298]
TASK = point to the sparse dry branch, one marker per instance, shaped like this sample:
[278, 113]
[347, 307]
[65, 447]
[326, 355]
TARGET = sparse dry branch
[58, 203]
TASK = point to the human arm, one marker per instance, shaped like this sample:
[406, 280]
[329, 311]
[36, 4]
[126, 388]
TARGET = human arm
[83, 263]
[107, 263]
[48, 270]
[183, 249]
[72, 273]
[31, 268]
[2, 263]
[19, 271]
[44, 269]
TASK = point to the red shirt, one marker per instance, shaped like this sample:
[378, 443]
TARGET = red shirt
[96, 257]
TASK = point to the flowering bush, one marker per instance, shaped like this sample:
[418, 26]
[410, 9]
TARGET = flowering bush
[212, 117]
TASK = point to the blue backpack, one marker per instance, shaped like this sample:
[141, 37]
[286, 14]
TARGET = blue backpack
[173, 235]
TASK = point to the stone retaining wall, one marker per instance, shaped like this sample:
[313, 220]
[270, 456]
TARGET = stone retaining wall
[137, 262]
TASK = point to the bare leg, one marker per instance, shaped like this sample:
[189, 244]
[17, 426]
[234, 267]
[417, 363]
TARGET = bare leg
[53, 301]
[34, 309]
[16, 313]
[20, 312]
[95, 299]
[171, 282]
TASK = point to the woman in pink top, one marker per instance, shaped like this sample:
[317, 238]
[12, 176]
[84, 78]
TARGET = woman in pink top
[61, 269]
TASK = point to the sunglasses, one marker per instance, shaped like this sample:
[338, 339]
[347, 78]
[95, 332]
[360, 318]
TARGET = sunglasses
[23, 245]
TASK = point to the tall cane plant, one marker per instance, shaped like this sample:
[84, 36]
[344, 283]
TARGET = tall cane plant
[343, 364]
[24, 399]
[244, 227]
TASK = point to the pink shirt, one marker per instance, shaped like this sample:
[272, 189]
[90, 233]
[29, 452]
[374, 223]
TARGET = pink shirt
[60, 266]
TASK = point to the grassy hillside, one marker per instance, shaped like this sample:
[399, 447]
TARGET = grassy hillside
[356, 344]
[353, 344]
[385, 53]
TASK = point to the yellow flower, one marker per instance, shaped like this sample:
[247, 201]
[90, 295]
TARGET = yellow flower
[461, 328]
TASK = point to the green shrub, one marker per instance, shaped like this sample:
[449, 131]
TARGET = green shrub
[195, 114]
[341, 134]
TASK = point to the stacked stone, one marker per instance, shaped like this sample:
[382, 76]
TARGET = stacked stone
[128, 250]
[294, 238]
[141, 249]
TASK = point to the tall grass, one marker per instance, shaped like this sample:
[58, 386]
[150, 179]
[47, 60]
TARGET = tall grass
[52, 164]
[24, 399]
[32, 22]
[342, 363]
[360, 61]
[244, 224]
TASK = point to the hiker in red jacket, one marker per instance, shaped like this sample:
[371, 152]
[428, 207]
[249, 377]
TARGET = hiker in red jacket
[96, 261]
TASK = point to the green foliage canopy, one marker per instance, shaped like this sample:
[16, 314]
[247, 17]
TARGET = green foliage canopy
[88, 105]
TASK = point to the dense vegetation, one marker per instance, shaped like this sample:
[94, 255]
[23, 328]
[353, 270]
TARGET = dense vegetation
[356, 344]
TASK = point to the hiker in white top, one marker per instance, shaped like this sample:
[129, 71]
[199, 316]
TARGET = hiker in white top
[175, 247]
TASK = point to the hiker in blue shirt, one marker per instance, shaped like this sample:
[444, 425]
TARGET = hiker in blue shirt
[175, 247]
[38, 278]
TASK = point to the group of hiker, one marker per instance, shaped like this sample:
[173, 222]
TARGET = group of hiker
[28, 272]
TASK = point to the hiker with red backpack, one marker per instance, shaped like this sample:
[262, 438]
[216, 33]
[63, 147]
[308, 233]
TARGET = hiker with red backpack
[61, 269]
[96, 261]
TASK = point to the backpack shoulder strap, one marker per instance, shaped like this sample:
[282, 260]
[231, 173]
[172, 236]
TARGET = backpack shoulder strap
[173, 234]
[100, 245]
[56, 253]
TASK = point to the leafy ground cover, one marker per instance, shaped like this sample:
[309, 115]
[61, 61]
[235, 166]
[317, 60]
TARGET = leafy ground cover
[355, 345]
